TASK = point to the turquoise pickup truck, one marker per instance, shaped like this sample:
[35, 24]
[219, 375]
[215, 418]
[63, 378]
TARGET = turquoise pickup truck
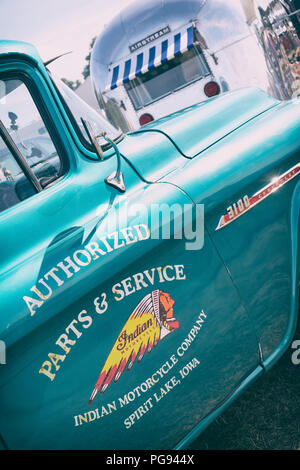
[146, 279]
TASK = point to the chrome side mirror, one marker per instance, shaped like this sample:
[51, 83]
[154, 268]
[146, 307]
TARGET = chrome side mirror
[93, 139]
[115, 179]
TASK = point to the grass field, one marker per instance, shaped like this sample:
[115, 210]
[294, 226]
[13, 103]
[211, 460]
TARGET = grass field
[266, 416]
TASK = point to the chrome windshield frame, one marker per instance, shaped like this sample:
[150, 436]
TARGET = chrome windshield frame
[86, 143]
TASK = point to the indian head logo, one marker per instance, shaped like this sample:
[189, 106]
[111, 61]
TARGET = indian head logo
[151, 321]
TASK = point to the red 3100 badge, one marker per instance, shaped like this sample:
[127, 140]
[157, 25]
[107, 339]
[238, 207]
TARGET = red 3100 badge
[151, 321]
[246, 203]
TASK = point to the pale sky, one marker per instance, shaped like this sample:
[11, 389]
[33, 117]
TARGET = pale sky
[58, 26]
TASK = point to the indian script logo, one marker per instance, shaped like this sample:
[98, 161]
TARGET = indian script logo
[152, 320]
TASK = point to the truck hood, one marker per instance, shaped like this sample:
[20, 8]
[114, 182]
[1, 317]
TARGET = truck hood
[166, 144]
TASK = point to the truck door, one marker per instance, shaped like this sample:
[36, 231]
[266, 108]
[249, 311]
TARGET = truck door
[115, 338]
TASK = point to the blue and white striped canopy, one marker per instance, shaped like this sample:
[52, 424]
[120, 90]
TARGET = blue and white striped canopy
[145, 60]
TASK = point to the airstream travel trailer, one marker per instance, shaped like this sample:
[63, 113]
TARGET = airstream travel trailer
[159, 56]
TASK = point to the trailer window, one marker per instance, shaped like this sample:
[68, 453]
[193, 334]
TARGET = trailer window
[168, 77]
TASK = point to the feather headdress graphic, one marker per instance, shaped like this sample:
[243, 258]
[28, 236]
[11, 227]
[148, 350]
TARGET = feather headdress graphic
[151, 321]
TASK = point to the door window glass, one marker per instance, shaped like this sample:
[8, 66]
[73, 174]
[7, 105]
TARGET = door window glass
[22, 119]
[14, 186]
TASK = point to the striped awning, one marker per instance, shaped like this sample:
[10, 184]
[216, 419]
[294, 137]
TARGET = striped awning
[141, 62]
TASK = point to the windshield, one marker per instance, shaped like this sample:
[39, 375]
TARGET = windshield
[77, 109]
